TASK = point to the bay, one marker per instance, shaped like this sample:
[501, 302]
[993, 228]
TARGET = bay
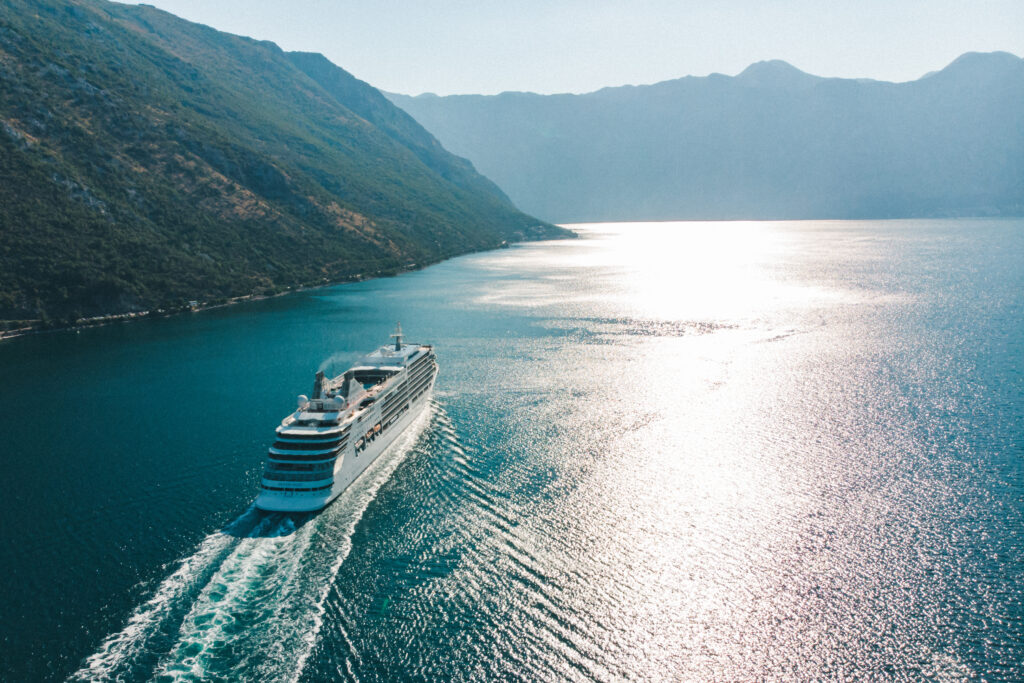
[662, 451]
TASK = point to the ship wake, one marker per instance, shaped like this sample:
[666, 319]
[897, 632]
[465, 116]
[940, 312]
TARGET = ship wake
[250, 601]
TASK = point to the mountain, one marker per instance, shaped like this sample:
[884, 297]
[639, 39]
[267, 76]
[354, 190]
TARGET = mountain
[771, 142]
[146, 161]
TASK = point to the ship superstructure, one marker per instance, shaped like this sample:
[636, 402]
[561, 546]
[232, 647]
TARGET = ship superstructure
[336, 433]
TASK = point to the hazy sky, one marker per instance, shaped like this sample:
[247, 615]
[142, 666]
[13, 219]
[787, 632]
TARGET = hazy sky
[487, 46]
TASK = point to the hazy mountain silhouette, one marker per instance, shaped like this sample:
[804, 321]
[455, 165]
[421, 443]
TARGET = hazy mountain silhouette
[771, 142]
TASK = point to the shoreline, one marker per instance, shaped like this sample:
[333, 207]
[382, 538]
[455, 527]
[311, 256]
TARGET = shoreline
[111, 318]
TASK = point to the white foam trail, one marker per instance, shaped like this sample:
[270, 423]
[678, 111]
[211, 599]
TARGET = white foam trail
[119, 649]
[224, 600]
[362, 496]
[261, 612]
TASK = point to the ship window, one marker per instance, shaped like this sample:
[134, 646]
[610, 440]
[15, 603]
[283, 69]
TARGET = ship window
[299, 467]
[296, 476]
[278, 488]
[322, 436]
[306, 446]
[296, 457]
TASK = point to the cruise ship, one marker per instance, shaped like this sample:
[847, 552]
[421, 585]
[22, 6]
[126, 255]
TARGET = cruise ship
[345, 425]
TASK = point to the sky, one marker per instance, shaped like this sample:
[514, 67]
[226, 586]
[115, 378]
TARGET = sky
[549, 46]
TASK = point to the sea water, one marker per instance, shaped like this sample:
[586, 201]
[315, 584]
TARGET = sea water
[691, 451]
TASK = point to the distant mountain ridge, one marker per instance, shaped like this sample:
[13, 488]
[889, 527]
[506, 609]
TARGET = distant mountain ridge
[146, 161]
[772, 142]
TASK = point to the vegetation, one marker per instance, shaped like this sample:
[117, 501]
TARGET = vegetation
[146, 161]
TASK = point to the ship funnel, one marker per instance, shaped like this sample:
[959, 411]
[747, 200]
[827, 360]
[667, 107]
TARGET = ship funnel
[398, 336]
[318, 387]
[353, 390]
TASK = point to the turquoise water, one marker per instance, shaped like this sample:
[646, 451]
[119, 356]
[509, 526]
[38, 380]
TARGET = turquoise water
[724, 451]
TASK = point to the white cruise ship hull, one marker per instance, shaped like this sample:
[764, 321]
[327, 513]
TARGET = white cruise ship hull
[350, 421]
[347, 468]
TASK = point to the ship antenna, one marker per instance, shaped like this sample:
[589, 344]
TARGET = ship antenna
[398, 337]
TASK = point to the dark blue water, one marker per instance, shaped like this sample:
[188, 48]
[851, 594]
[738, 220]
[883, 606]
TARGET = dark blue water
[664, 451]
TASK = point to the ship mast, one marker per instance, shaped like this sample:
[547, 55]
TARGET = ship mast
[398, 336]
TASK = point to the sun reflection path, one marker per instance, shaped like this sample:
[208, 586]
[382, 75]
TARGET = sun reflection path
[748, 491]
[673, 272]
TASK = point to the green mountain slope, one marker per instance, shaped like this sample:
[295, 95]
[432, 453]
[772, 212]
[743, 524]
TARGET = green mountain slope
[146, 161]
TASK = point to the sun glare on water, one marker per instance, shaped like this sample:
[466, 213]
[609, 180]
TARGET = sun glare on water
[689, 271]
[734, 450]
